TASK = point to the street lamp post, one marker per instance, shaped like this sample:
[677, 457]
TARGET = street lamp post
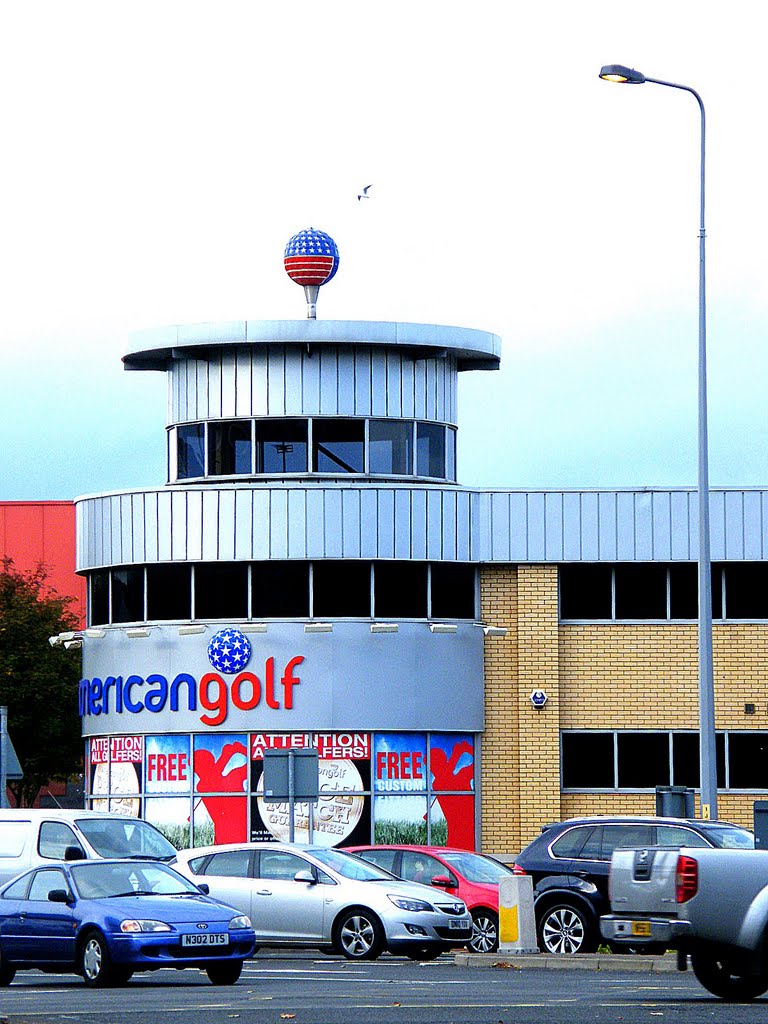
[707, 753]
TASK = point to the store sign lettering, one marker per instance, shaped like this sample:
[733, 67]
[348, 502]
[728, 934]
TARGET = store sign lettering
[212, 692]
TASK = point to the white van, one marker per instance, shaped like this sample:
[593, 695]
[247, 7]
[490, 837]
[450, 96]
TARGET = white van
[31, 836]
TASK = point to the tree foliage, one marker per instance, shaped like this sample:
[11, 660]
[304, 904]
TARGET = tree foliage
[38, 683]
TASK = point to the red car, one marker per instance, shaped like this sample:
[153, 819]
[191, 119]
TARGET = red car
[472, 877]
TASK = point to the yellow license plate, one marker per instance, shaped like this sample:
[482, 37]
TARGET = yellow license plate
[641, 927]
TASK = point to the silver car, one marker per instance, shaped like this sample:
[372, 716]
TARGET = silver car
[315, 897]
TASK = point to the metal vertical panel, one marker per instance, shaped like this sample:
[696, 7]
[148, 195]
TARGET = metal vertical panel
[195, 525]
[332, 524]
[214, 388]
[589, 513]
[681, 547]
[118, 556]
[571, 526]
[243, 382]
[164, 553]
[625, 526]
[403, 523]
[441, 365]
[479, 537]
[753, 526]
[607, 519]
[430, 390]
[717, 532]
[294, 377]
[643, 526]
[418, 518]
[362, 362]
[394, 384]
[345, 385]
[227, 525]
[518, 546]
[211, 525]
[408, 406]
[150, 526]
[553, 526]
[499, 527]
[350, 520]
[448, 546]
[420, 388]
[733, 509]
[329, 377]
[368, 523]
[179, 521]
[261, 519]
[297, 523]
[126, 533]
[200, 374]
[315, 520]
[378, 383]
[661, 512]
[434, 525]
[137, 526]
[764, 522]
[310, 383]
[463, 525]
[228, 383]
[385, 545]
[276, 380]
[536, 527]
[259, 396]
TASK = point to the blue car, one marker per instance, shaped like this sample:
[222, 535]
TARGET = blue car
[107, 919]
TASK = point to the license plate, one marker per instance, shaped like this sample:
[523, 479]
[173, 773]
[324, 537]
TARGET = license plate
[641, 927]
[206, 939]
[455, 926]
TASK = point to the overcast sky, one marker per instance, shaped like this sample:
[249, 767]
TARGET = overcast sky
[156, 157]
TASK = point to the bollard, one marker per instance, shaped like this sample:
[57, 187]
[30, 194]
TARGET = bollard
[517, 922]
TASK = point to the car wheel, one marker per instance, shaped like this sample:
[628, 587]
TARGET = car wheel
[7, 973]
[359, 935]
[566, 928]
[429, 952]
[485, 931]
[719, 977]
[224, 974]
[95, 961]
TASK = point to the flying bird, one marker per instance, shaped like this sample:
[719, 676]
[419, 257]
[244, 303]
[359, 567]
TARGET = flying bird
[364, 193]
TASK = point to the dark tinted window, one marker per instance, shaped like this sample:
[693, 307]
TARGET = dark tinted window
[585, 591]
[400, 589]
[221, 590]
[673, 835]
[281, 446]
[99, 597]
[280, 590]
[748, 760]
[643, 759]
[232, 864]
[190, 450]
[382, 858]
[341, 589]
[571, 842]
[588, 760]
[127, 595]
[169, 592]
[453, 591]
[619, 837]
[641, 591]
[430, 449]
[229, 448]
[683, 591]
[685, 759]
[746, 591]
[390, 447]
[338, 446]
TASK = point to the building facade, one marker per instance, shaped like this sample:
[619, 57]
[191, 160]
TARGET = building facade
[469, 663]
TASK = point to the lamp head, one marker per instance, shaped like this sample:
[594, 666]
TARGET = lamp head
[621, 74]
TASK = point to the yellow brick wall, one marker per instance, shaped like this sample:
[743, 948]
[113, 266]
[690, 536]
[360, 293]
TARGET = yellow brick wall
[610, 676]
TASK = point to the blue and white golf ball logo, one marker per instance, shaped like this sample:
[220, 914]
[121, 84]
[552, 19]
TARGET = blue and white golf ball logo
[229, 651]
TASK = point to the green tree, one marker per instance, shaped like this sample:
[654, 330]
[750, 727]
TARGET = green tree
[38, 683]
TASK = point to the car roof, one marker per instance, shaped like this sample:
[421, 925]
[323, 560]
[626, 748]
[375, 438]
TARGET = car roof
[637, 819]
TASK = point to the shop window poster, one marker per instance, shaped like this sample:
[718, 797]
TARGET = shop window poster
[399, 773]
[115, 774]
[220, 766]
[170, 814]
[341, 814]
[168, 765]
[452, 771]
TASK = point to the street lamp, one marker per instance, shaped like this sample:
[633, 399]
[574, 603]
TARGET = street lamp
[707, 754]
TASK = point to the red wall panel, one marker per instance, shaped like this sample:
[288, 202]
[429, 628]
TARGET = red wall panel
[44, 531]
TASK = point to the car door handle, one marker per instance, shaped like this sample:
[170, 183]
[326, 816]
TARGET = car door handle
[263, 892]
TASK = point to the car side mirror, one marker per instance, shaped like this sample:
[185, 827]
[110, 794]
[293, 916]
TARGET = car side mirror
[59, 896]
[305, 876]
[74, 853]
[442, 882]
[204, 888]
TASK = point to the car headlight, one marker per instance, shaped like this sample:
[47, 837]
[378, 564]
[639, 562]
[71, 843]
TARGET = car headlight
[414, 906]
[144, 926]
[241, 921]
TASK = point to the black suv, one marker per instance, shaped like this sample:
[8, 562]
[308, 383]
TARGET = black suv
[570, 860]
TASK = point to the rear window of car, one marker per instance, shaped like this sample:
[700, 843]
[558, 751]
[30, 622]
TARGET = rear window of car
[674, 835]
[571, 843]
[731, 837]
[382, 858]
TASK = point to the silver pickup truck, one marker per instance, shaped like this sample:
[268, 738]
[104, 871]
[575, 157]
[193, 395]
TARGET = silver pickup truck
[709, 905]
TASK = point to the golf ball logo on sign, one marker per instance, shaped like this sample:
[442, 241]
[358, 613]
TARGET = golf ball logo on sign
[229, 651]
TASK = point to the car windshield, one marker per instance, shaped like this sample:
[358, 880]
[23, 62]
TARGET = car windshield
[730, 837]
[349, 866]
[95, 881]
[125, 837]
[476, 868]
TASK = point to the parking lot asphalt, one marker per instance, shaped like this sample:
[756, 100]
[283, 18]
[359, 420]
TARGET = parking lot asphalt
[612, 962]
